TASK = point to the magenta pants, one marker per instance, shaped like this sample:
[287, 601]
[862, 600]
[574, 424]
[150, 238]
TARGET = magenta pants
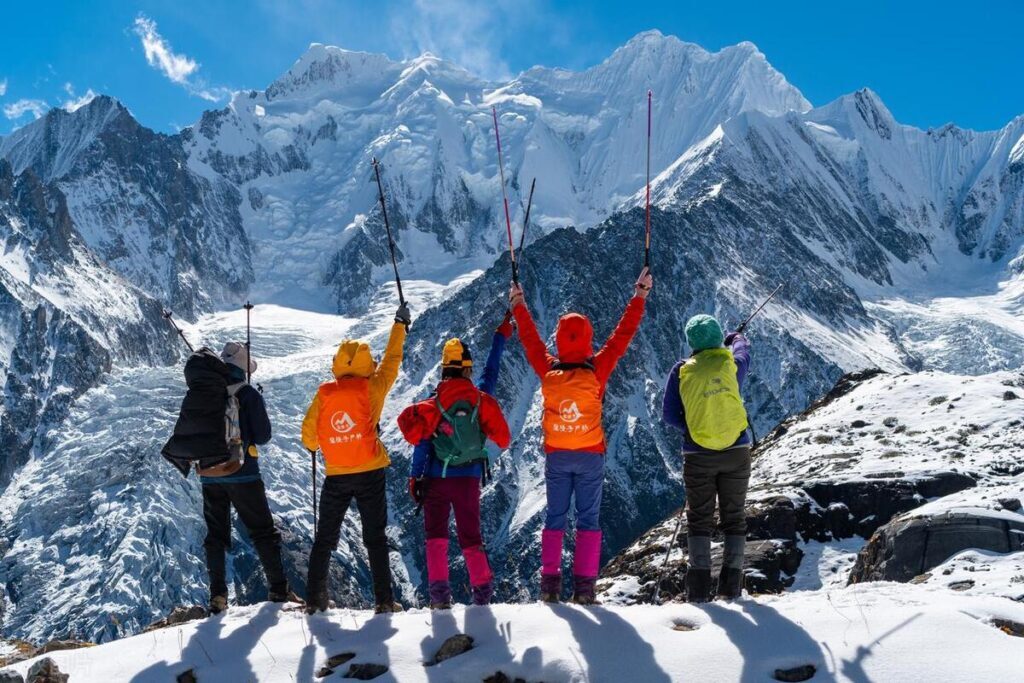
[460, 495]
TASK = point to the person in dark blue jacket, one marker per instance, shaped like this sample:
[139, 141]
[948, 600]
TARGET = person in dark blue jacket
[703, 401]
[244, 491]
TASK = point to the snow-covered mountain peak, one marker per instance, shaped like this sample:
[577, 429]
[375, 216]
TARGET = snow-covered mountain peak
[52, 144]
[324, 69]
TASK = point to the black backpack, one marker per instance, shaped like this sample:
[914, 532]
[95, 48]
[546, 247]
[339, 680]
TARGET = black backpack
[201, 433]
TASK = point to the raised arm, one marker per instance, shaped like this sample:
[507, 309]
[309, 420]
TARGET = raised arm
[489, 382]
[387, 372]
[536, 350]
[608, 357]
[740, 348]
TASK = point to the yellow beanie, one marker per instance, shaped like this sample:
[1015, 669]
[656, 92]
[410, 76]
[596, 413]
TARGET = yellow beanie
[456, 355]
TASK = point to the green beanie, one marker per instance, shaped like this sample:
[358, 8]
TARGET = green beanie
[703, 332]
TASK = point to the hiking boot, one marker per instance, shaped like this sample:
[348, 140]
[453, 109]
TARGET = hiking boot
[285, 596]
[550, 588]
[218, 604]
[730, 583]
[440, 593]
[483, 593]
[317, 601]
[698, 585]
[584, 592]
[388, 607]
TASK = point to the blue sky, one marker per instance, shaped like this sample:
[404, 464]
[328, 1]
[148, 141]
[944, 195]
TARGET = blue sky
[931, 62]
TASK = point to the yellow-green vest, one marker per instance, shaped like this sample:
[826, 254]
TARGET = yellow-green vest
[715, 416]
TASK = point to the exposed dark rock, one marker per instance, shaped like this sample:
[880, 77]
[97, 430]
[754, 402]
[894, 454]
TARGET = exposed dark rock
[179, 615]
[333, 663]
[365, 672]
[1010, 396]
[1010, 628]
[907, 547]
[10, 676]
[187, 677]
[45, 671]
[798, 673]
[57, 645]
[501, 677]
[453, 647]
[1011, 504]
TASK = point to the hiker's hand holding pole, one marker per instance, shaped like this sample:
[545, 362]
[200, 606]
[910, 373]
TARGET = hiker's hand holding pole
[515, 295]
[644, 283]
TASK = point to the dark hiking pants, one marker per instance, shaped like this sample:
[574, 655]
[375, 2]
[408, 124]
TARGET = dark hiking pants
[250, 501]
[367, 488]
[721, 476]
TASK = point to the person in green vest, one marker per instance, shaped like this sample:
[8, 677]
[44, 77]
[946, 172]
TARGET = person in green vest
[703, 400]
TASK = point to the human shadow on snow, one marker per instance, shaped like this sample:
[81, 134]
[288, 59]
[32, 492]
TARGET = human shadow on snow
[368, 642]
[766, 640]
[207, 650]
[611, 649]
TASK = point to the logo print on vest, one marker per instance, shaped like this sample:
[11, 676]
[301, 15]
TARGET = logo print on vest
[569, 411]
[342, 422]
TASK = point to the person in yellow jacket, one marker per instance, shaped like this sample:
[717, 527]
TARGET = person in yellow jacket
[342, 424]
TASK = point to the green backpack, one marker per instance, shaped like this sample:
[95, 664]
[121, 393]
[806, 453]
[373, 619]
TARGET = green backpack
[459, 439]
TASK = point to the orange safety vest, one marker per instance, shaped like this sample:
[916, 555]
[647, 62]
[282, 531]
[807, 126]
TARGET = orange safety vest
[347, 434]
[572, 408]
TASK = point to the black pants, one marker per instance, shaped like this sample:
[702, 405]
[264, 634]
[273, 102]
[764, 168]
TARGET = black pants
[721, 475]
[367, 488]
[250, 501]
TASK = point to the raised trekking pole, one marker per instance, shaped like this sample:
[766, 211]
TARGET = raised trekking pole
[504, 196]
[647, 237]
[526, 224]
[387, 226]
[248, 343]
[664, 565]
[743, 325]
[167, 317]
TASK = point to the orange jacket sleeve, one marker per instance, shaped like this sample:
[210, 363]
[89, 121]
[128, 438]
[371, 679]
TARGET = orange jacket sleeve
[387, 372]
[613, 350]
[492, 422]
[536, 350]
[310, 438]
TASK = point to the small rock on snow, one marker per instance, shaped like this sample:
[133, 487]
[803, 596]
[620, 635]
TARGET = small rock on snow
[366, 672]
[46, 671]
[797, 673]
[453, 647]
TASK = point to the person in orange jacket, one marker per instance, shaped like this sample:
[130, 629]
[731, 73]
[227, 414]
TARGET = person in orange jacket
[342, 424]
[573, 383]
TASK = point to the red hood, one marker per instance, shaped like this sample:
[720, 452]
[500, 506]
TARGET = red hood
[574, 338]
[457, 389]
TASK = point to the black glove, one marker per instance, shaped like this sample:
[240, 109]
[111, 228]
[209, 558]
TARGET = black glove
[416, 489]
[403, 316]
[730, 338]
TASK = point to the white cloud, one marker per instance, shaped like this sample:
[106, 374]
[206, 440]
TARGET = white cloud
[74, 103]
[178, 68]
[16, 110]
[472, 34]
[3, 87]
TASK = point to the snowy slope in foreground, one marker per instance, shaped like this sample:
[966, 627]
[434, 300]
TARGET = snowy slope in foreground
[882, 632]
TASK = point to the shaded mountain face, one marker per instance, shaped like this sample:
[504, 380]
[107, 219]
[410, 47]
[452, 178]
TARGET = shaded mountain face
[896, 247]
[66, 317]
[137, 206]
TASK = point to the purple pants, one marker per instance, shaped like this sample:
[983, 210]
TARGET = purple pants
[572, 475]
[461, 495]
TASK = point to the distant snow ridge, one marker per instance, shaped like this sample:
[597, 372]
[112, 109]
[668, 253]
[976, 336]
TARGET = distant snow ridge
[898, 248]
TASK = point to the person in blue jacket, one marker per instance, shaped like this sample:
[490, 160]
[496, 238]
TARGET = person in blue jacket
[443, 488]
[703, 401]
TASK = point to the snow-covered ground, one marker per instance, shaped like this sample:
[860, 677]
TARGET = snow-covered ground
[878, 632]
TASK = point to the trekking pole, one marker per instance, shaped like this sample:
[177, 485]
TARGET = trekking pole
[504, 195]
[764, 303]
[647, 238]
[664, 565]
[526, 223]
[248, 343]
[387, 226]
[312, 459]
[167, 317]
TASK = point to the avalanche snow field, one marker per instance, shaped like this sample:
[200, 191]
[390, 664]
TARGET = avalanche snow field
[871, 632]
